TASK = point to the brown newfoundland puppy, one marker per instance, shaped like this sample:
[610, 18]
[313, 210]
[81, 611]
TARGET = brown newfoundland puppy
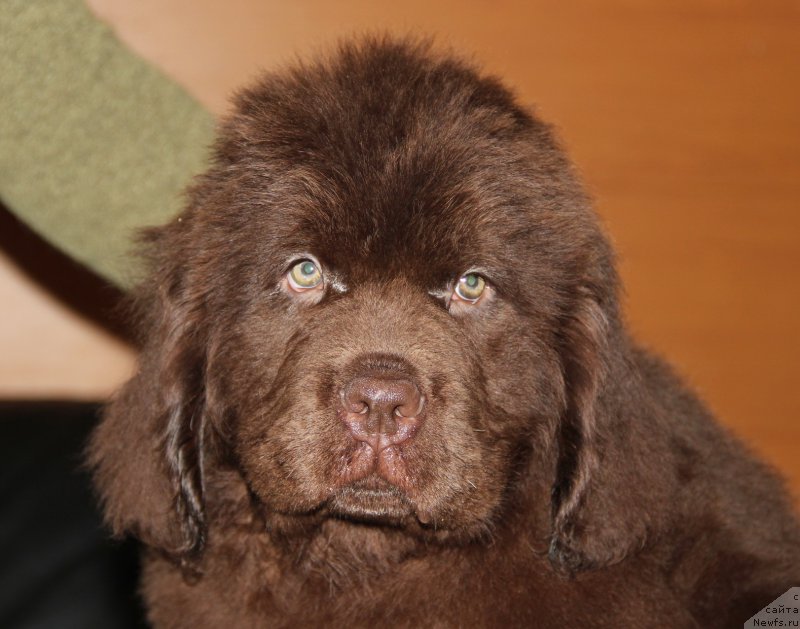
[385, 381]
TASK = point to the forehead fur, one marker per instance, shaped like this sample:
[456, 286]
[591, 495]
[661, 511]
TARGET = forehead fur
[385, 153]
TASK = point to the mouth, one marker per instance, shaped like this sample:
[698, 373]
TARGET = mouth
[373, 501]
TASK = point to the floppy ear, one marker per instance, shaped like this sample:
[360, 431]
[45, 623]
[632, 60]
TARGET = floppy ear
[614, 477]
[147, 453]
[606, 497]
[584, 349]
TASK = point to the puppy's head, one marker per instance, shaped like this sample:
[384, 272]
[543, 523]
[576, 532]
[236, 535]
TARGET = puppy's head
[386, 299]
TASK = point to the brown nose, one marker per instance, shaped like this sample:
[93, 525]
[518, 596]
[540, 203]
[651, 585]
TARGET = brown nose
[382, 411]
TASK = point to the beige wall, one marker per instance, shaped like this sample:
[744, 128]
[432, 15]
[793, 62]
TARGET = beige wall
[49, 350]
[683, 117]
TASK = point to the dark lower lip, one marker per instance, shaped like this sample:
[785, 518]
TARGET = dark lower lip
[372, 501]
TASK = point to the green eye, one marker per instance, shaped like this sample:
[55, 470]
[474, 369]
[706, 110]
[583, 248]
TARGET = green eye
[470, 287]
[304, 275]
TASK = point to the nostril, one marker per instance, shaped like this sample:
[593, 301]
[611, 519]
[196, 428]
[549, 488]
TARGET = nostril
[352, 403]
[412, 408]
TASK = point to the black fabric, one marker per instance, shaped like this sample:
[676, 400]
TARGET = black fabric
[58, 569]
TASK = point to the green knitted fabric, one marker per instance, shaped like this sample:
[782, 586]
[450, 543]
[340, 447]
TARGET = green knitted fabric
[94, 142]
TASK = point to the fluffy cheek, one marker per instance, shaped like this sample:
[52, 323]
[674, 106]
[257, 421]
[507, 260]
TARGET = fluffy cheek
[287, 459]
[255, 366]
[522, 373]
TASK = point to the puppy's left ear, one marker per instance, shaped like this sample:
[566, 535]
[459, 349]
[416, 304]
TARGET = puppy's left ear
[584, 352]
[605, 496]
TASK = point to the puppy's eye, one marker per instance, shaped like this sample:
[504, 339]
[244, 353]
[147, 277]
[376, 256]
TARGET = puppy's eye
[304, 275]
[469, 288]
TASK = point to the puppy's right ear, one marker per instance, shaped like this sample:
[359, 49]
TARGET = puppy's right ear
[147, 453]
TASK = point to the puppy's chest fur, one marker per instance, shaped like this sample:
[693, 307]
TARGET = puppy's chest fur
[339, 573]
[336, 585]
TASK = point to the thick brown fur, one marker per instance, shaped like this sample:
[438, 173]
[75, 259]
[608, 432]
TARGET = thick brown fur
[562, 475]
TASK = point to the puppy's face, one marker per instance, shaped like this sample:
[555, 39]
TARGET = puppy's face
[386, 297]
[389, 271]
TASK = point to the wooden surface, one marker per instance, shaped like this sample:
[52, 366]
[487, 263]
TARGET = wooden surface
[683, 116]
